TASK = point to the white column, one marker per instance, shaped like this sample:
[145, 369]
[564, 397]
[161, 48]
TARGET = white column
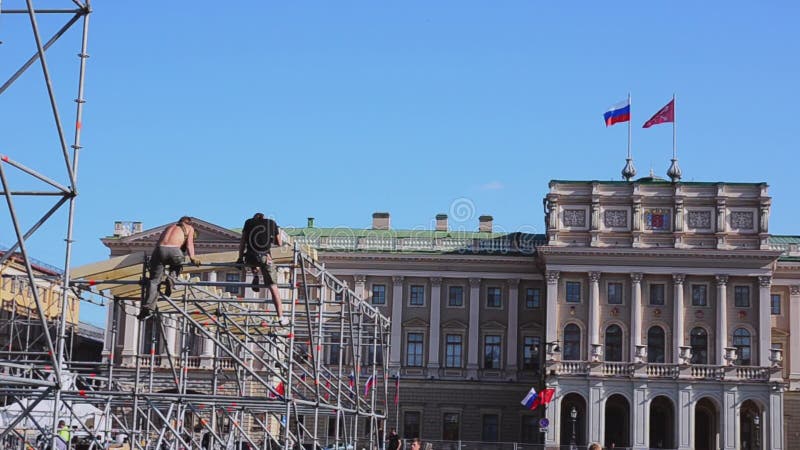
[794, 337]
[360, 287]
[764, 321]
[641, 417]
[435, 326]
[774, 428]
[474, 316]
[132, 327]
[636, 313]
[553, 412]
[170, 335]
[551, 320]
[722, 318]
[728, 423]
[596, 417]
[677, 314]
[593, 336]
[397, 318]
[513, 327]
[685, 417]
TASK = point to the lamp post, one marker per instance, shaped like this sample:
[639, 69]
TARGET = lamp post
[757, 423]
[574, 415]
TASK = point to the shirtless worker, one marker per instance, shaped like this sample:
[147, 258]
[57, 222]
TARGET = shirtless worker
[258, 235]
[168, 251]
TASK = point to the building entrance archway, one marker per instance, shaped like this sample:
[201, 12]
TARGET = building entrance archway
[751, 426]
[573, 430]
[618, 419]
[662, 423]
[705, 425]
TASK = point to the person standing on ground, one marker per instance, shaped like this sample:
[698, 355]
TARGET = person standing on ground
[395, 443]
[416, 444]
[168, 251]
[258, 235]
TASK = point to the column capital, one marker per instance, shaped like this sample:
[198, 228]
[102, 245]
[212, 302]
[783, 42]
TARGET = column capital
[397, 279]
[722, 280]
[474, 282]
[552, 276]
[512, 282]
[794, 290]
[360, 278]
[594, 277]
[678, 278]
[436, 281]
[765, 281]
[637, 277]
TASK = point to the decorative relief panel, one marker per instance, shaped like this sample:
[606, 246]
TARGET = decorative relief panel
[742, 220]
[700, 220]
[575, 218]
[615, 218]
[657, 219]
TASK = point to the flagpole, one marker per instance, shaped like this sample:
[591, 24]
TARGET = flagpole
[629, 171]
[629, 127]
[674, 171]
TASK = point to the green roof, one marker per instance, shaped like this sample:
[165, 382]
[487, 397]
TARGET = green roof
[656, 180]
[368, 232]
[784, 239]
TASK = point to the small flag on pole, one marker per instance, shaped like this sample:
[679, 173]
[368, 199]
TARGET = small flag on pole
[369, 385]
[535, 399]
[397, 389]
[664, 115]
[621, 112]
[530, 398]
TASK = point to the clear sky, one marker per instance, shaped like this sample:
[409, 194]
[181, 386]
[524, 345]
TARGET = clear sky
[341, 108]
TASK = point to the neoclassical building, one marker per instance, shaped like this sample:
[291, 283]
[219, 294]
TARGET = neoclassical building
[664, 314]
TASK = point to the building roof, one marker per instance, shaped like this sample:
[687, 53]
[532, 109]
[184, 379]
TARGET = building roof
[657, 180]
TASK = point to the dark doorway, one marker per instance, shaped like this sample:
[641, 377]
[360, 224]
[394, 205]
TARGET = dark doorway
[705, 425]
[618, 419]
[750, 425]
[573, 429]
[662, 423]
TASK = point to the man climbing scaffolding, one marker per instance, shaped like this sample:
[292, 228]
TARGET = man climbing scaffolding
[175, 239]
[258, 235]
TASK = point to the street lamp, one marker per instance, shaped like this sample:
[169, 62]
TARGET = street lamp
[757, 422]
[574, 415]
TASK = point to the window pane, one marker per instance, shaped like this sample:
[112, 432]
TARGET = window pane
[417, 295]
[613, 351]
[741, 296]
[699, 343]
[775, 304]
[490, 428]
[411, 420]
[455, 296]
[572, 343]
[451, 424]
[614, 293]
[414, 350]
[533, 298]
[573, 292]
[655, 345]
[453, 349]
[378, 294]
[530, 352]
[493, 297]
[699, 295]
[530, 430]
[656, 294]
[491, 352]
[232, 277]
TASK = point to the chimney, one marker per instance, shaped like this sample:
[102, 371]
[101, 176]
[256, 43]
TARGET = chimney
[441, 222]
[310, 223]
[485, 224]
[137, 227]
[380, 221]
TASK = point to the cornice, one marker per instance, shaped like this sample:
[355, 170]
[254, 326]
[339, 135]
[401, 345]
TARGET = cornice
[418, 257]
[765, 255]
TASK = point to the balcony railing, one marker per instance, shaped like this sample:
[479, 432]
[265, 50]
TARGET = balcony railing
[663, 371]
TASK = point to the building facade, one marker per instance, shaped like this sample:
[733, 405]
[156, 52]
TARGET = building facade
[664, 314]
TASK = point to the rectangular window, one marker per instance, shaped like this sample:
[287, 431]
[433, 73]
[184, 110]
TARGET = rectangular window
[657, 294]
[531, 349]
[493, 299]
[232, 277]
[741, 296]
[414, 343]
[489, 431]
[417, 296]
[530, 430]
[411, 420]
[339, 296]
[451, 426]
[453, 350]
[533, 298]
[491, 352]
[775, 304]
[333, 353]
[614, 293]
[699, 295]
[378, 294]
[369, 352]
[573, 292]
[455, 296]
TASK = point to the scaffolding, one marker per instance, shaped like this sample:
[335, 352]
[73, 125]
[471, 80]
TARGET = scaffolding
[321, 382]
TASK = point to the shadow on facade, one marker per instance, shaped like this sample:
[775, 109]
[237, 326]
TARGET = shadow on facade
[662, 423]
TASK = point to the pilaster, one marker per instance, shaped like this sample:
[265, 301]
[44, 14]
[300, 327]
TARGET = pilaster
[727, 417]
[636, 315]
[551, 321]
[677, 314]
[397, 319]
[640, 417]
[593, 334]
[685, 418]
[435, 326]
[513, 327]
[360, 286]
[794, 336]
[474, 321]
[722, 319]
[132, 329]
[764, 320]
[775, 420]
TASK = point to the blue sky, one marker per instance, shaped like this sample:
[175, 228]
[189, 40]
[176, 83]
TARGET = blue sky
[339, 109]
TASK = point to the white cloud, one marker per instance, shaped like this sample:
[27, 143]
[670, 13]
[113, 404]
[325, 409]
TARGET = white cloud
[492, 186]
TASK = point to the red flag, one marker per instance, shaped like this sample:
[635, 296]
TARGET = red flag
[664, 115]
[397, 389]
[543, 398]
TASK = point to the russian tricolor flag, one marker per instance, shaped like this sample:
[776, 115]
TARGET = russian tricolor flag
[529, 399]
[621, 112]
[368, 386]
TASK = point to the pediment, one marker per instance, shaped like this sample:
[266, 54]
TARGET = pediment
[492, 325]
[415, 323]
[530, 326]
[206, 232]
[779, 332]
[454, 324]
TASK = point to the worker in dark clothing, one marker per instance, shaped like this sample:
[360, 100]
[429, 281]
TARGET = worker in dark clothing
[258, 236]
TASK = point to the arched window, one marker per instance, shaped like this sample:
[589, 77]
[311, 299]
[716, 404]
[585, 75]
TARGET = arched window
[655, 344]
[741, 340]
[613, 350]
[572, 343]
[699, 343]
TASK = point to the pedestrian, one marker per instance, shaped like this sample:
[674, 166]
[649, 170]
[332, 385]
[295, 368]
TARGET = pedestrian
[258, 235]
[394, 441]
[416, 444]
